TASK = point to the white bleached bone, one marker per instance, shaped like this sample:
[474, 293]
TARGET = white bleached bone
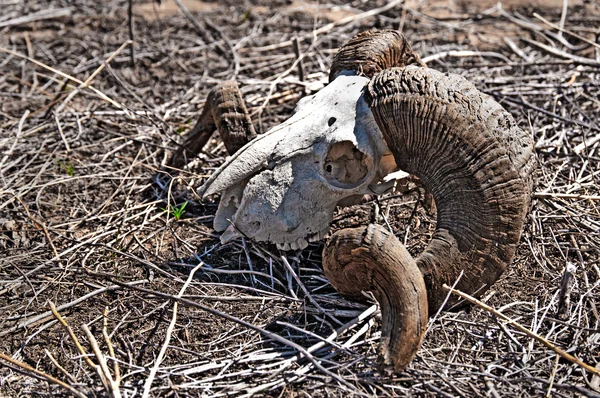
[283, 186]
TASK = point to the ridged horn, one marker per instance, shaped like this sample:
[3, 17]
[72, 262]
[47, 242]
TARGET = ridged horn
[224, 110]
[372, 259]
[470, 154]
[372, 51]
[468, 151]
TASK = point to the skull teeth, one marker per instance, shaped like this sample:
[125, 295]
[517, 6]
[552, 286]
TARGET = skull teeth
[314, 237]
[318, 236]
[283, 246]
[299, 244]
[302, 243]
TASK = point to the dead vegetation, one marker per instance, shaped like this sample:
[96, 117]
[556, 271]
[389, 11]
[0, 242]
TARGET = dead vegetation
[147, 301]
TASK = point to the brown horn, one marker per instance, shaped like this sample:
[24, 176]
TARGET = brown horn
[372, 259]
[224, 110]
[372, 51]
[469, 152]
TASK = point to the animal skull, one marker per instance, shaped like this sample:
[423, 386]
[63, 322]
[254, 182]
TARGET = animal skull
[467, 150]
[284, 186]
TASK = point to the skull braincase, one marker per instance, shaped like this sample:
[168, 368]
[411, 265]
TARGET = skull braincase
[283, 186]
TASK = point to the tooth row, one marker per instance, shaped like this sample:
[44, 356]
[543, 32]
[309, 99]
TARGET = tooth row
[318, 236]
[301, 243]
[314, 237]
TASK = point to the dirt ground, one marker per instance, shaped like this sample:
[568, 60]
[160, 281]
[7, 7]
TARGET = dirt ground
[88, 205]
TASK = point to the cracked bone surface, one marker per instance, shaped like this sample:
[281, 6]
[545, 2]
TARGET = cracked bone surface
[283, 186]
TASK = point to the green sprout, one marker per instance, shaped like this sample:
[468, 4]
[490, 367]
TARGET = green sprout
[68, 168]
[176, 211]
[183, 129]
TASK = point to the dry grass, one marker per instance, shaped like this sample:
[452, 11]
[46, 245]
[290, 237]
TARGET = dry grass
[84, 190]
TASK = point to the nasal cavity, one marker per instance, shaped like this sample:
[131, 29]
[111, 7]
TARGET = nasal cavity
[331, 121]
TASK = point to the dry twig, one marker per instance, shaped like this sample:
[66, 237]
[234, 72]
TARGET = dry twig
[523, 329]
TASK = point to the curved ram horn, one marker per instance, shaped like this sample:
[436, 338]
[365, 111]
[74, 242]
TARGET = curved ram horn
[372, 51]
[224, 110]
[372, 259]
[469, 152]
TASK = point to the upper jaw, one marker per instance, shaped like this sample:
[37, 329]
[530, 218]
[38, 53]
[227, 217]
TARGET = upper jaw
[298, 244]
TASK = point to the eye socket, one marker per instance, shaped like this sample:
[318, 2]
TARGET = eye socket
[345, 165]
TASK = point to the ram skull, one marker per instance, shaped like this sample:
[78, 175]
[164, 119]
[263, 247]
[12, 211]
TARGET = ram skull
[383, 109]
[284, 186]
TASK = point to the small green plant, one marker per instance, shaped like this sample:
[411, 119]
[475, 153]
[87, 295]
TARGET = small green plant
[68, 168]
[183, 129]
[176, 211]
